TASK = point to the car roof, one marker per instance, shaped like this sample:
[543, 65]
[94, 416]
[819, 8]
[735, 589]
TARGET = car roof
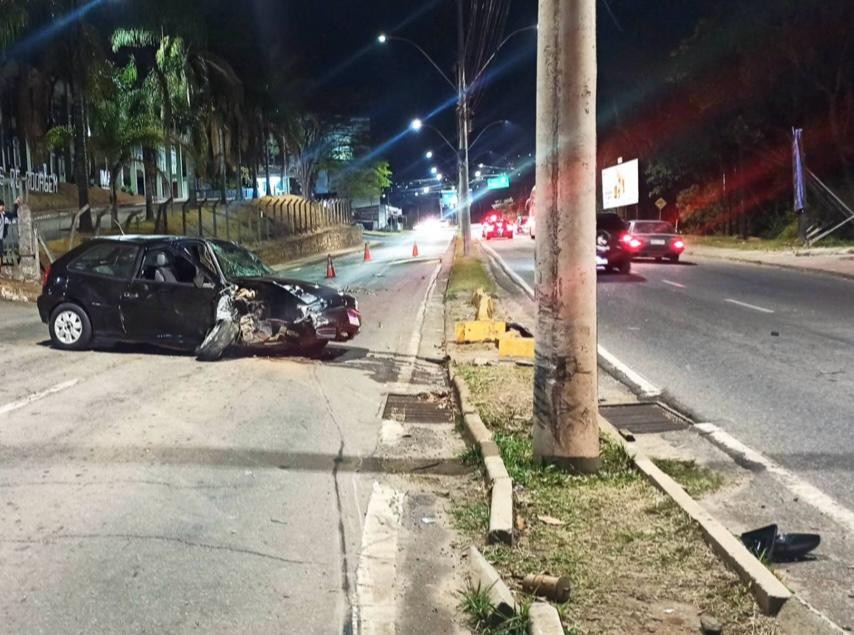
[141, 239]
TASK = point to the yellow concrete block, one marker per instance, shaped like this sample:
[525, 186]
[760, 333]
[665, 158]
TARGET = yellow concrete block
[511, 345]
[479, 331]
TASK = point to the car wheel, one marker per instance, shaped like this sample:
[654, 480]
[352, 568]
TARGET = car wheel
[625, 267]
[220, 337]
[674, 259]
[70, 328]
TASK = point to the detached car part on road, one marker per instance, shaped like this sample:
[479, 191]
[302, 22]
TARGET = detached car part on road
[188, 294]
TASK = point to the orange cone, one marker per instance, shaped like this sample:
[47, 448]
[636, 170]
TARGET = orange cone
[415, 250]
[367, 253]
[330, 268]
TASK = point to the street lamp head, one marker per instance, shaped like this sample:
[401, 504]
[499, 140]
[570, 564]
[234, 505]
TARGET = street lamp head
[382, 38]
[478, 174]
[416, 124]
[434, 170]
[439, 177]
[429, 154]
[426, 190]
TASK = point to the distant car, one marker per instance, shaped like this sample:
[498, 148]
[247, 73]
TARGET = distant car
[495, 226]
[615, 244]
[188, 294]
[658, 239]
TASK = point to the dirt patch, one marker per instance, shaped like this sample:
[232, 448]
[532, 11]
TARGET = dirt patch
[637, 563]
[19, 291]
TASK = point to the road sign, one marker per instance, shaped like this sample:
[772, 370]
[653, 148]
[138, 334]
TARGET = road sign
[499, 182]
[661, 204]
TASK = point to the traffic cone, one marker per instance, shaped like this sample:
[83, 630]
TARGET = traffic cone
[415, 250]
[367, 253]
[330, 268]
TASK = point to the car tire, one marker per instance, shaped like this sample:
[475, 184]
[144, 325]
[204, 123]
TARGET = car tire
[221, 336]
[70, 328]
[625, 267]
[674, 259]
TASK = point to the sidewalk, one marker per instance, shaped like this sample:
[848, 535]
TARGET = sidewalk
[836, 261]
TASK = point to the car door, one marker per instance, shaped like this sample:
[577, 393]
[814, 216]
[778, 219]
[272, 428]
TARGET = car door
[98, 279]
[171, 310]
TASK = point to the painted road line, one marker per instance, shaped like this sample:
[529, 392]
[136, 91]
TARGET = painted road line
[805, 492]
[749, 306]
[639, 384]
[375, 606]
[674, 284]
[17, 405]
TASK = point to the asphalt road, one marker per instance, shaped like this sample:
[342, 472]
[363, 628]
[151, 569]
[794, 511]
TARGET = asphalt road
[766, 353]
[143, 491]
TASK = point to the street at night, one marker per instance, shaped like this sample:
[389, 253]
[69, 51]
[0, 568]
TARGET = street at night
[404, 317]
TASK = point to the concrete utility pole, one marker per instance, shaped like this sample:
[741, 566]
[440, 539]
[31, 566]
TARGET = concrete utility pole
[566, 429]
[463, 190]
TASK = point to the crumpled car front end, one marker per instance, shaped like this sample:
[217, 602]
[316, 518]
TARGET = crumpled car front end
[270, 313]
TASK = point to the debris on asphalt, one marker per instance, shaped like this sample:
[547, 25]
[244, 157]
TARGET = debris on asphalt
[766, 542]
[556, 589]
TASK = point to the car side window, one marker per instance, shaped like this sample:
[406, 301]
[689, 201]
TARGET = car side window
[163, 265]
[115, 260]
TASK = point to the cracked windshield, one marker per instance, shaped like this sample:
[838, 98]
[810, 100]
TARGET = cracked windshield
[427, 316]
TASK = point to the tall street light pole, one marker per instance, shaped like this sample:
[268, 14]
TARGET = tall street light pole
[463, 89]
[566, 428]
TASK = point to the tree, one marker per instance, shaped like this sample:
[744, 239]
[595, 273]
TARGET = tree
[304, 134]
[121, 121]
[362, 179]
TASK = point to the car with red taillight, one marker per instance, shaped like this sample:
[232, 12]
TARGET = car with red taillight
[496, 226]
[616, 246]
[658, 240]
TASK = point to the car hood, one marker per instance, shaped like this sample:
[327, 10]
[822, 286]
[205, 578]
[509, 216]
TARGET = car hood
[304, 291]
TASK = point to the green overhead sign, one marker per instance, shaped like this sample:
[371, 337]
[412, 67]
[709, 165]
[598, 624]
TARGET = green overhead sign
[500, 182]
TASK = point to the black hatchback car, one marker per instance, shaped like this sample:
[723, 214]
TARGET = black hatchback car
[615, 245]
[178, 292]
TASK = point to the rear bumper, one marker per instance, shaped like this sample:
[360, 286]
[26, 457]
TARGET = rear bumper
[45, 304]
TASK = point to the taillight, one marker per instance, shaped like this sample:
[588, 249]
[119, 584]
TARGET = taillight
[46, 276]
[630, 241]
[678, 244]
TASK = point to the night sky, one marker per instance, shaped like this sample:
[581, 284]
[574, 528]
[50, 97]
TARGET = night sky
[332, 44]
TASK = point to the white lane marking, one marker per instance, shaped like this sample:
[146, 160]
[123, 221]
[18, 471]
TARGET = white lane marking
[17, 405]
[749, 306]
[375, 606]
[805, 492]
[408, 369]
[674, 284]
[607, 360]
[637, 382]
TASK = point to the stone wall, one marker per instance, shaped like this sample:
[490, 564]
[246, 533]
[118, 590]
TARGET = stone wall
[322, 241]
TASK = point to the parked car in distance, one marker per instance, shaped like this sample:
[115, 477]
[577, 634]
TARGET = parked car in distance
[496, 226]
[177, 292]
[615, 244]
[658, 239]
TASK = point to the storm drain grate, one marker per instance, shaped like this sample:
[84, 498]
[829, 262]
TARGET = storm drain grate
[645, 418]
[424, 408]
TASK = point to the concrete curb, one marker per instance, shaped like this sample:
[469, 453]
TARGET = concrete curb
[501, 495]
[544, 620]
[769, 592]
[486, 578]
[763, 263]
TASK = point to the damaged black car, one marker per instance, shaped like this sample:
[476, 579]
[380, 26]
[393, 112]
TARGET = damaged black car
[189, 294]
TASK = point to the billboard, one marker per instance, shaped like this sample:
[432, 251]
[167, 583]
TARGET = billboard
[620, 185]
